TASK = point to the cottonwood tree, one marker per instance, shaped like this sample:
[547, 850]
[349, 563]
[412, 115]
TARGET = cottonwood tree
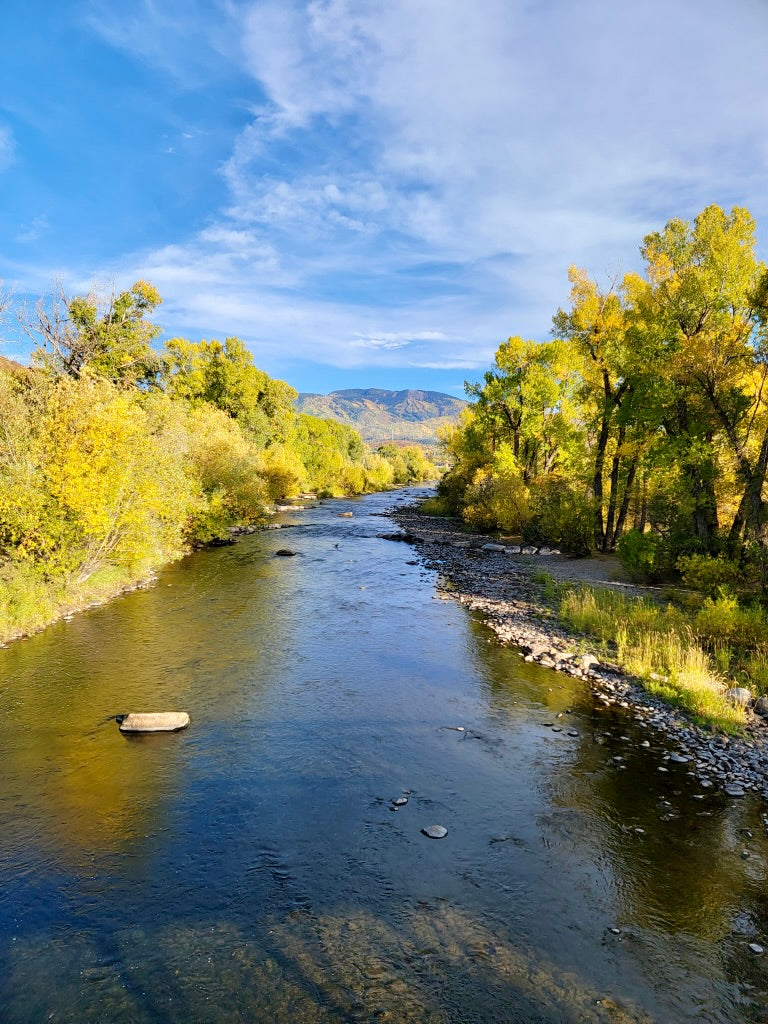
[92, 335]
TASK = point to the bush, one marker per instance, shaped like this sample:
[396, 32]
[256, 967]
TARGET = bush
[560, 516]
[645, 556]
[707, 573]
[497, 499]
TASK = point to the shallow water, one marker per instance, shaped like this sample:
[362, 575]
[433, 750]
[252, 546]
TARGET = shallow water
[253, 868]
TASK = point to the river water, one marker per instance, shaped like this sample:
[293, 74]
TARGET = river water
[253, 868]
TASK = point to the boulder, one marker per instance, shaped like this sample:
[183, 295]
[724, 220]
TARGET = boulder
[154, 721]
[738, 695]
[761, 707]
[493, 547]
[587, 661]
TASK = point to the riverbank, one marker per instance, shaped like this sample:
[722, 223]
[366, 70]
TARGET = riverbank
[503, 587]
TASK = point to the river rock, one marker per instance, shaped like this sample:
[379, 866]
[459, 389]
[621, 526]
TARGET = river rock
[761, 707]
[493, 547]
[154, 721]
[739, 695]
[435, 831]
[400, 801]
[346, 515]
[587, 661]
[734, 789]
[285, 552]
[756, 948]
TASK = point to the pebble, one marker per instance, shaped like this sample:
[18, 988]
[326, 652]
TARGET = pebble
[661, 768]
[572, 732]
[400, 801]
[756, 948]
[435, 831]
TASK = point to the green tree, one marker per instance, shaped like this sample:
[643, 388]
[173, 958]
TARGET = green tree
[704, 309]
[90, 336]
[225, 376]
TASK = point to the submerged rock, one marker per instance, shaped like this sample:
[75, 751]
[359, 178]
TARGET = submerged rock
[435, 831]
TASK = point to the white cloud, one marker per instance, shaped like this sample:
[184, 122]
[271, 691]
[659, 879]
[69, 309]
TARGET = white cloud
[500, 139]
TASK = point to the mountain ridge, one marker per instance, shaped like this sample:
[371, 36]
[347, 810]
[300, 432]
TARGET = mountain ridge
[408, 416]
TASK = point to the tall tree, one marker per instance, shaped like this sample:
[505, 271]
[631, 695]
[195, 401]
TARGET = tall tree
[705, 309]
[101, 337]
[596, 326]
[224, 375]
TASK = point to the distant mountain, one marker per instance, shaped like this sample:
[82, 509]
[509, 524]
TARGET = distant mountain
[411, 417]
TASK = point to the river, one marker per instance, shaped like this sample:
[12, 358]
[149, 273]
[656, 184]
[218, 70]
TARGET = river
[254, 867]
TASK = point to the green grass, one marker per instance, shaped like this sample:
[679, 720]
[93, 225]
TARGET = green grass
[434, 507]
[662, 647]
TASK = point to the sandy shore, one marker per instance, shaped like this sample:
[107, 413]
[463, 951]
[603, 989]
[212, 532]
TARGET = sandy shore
[502, 586]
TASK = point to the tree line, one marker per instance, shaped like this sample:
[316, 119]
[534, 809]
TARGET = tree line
[116, 456]
[642, 425]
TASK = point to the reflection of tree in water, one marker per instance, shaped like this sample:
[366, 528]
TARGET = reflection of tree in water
[195, 641]
[433, 965]
[681, 875]
[682, 872]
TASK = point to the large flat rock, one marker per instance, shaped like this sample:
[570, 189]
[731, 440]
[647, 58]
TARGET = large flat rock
[155, 721]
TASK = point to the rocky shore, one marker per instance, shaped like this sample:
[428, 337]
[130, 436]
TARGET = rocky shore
[501, 585]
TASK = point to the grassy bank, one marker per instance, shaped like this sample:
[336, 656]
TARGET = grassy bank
[29, 602]
[687, 656]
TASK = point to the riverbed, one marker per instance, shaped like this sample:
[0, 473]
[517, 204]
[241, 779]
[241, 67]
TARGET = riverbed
[256, 866]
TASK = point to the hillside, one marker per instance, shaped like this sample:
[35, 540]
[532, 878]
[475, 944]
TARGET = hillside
[409, 416]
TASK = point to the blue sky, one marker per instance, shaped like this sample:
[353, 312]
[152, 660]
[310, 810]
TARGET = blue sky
[369, 193]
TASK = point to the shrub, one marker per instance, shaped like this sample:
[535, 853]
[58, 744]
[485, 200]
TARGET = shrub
[645, 556]
[561, 516]
[707, 573]
[497, 499]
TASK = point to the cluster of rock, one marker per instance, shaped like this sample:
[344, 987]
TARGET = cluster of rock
[482, 577]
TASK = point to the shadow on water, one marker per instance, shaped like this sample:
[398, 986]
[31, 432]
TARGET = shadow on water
[255, 868]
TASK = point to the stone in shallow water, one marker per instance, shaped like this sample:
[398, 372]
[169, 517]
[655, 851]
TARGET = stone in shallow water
[756, 948]
[732, 789]
[400, 801]
[435, 831]
[154, 721]
[679, 758]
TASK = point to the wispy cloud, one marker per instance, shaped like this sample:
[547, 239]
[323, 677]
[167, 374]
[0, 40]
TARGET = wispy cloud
[496, 140]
